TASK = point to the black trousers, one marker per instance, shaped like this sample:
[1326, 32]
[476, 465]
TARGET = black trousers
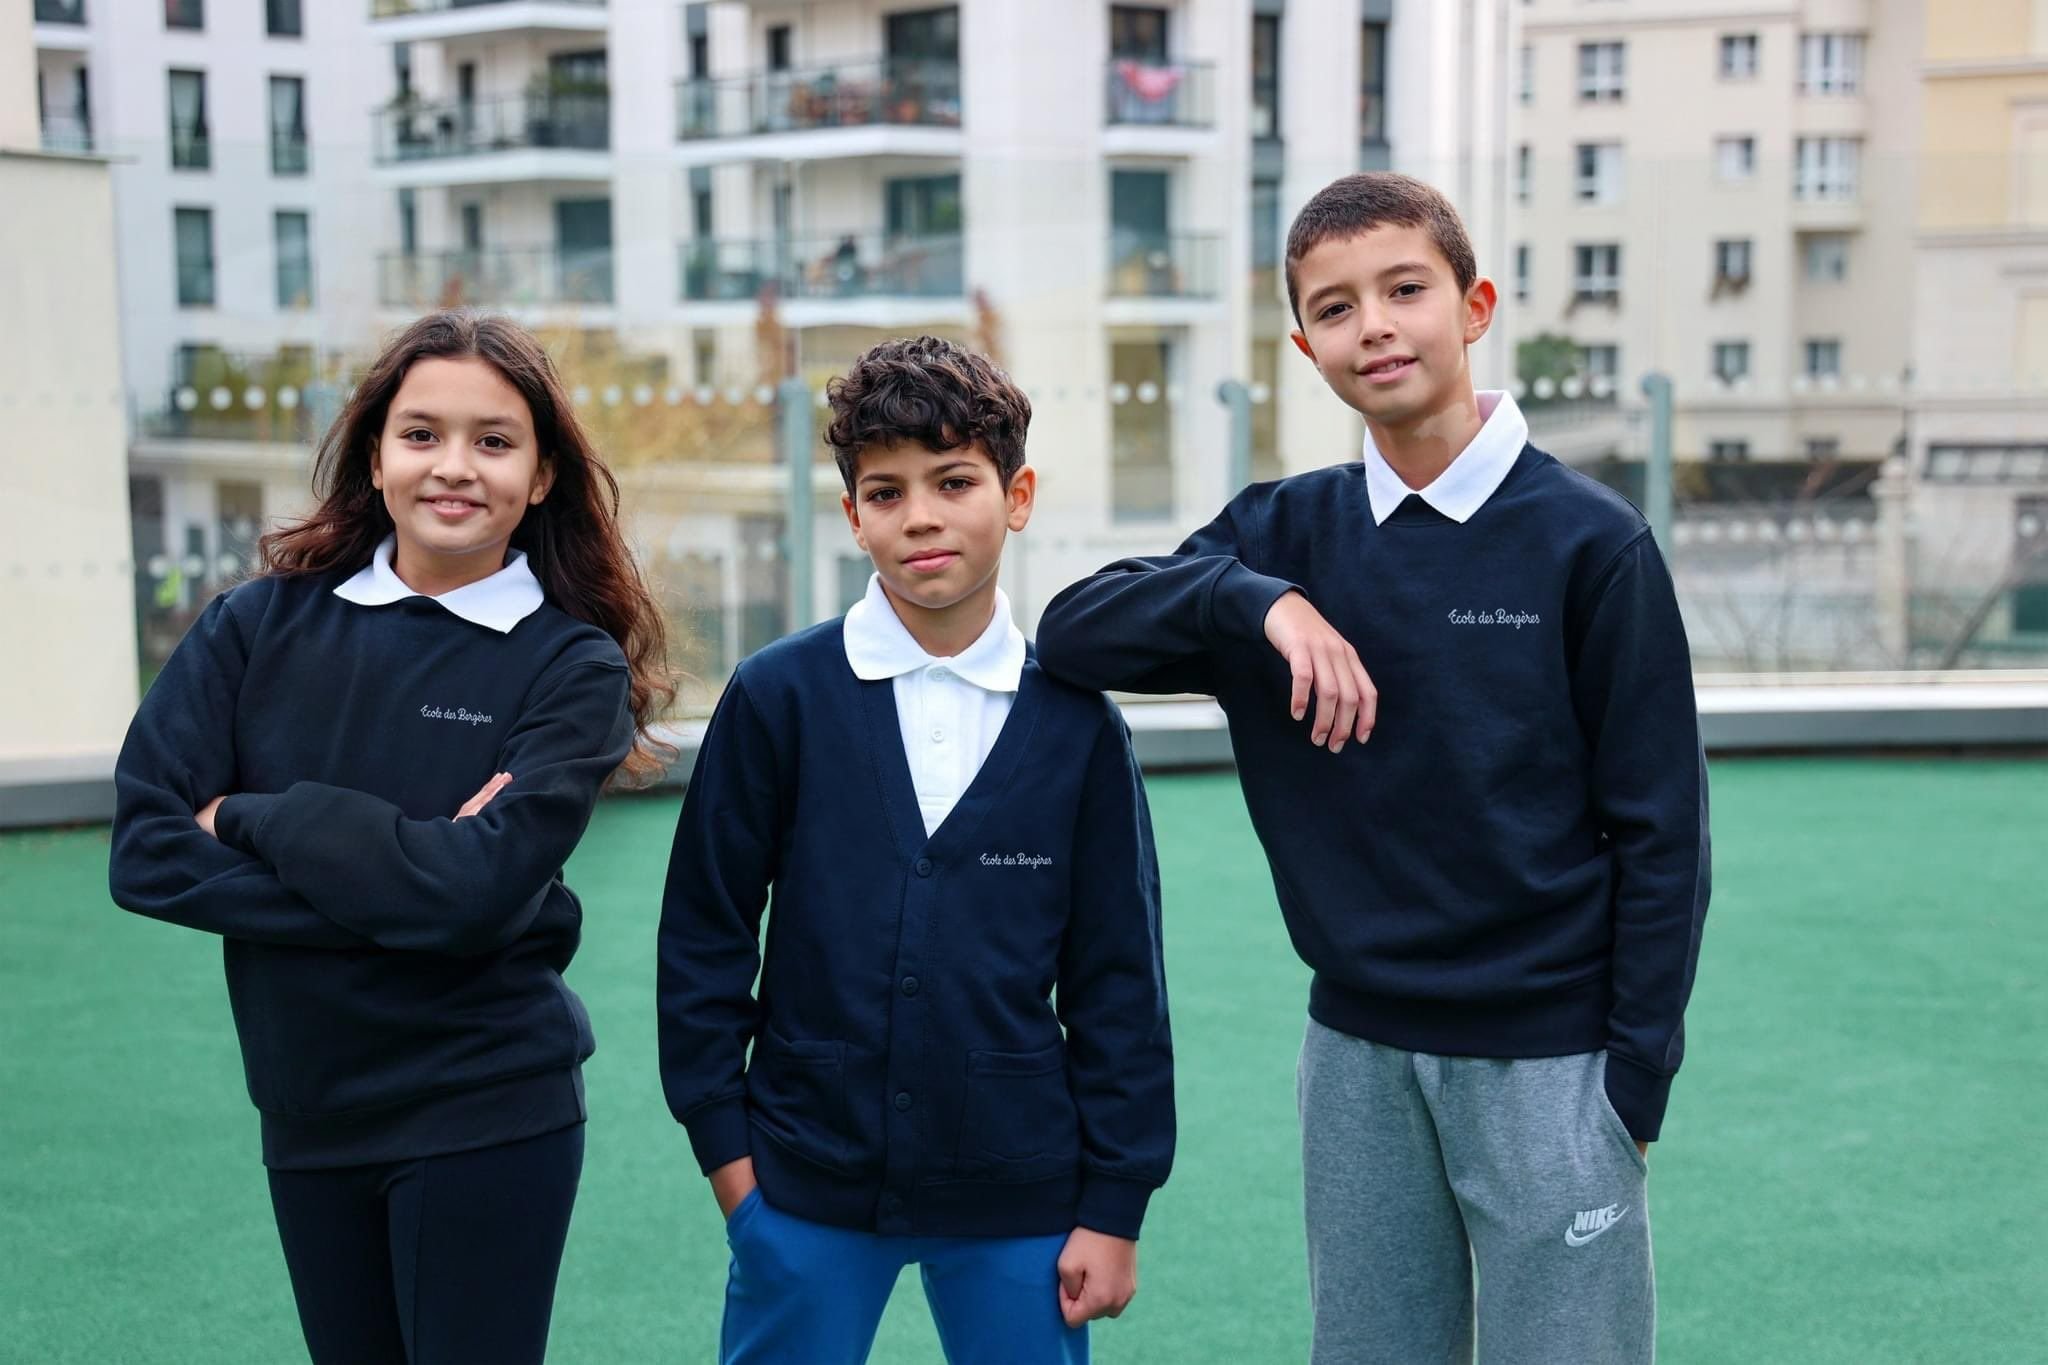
[447, 1260]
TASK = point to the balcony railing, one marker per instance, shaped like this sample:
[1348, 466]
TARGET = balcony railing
[853, 266]
[495, 278]
[399, 9]
[66, 133]
[1163, 94]
[233, 397]
[1171, 266]
[421, 132]
[857, 95]
[60, 11]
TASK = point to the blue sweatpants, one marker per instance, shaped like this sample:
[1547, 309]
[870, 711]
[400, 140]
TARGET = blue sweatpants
[803, 1293]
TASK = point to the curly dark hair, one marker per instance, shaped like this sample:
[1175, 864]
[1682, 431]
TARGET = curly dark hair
[934, 392]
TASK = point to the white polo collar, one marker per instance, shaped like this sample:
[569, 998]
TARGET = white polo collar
[1478, 469]
[499, 602]
[878, 646]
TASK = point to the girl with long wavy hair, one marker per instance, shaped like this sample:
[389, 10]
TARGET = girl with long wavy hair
[364, 769]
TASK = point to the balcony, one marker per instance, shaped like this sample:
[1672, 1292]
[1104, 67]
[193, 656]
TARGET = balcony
[60, 26]
[66, 133]
[882, 107]
[1147, 265]
[519, 137]
[1158, 108]
[270, 398]
[534, 277]
[866, 278]
[60, 12]
[410, 21]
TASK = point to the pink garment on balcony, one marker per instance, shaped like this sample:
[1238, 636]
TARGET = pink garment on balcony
[1149, 83]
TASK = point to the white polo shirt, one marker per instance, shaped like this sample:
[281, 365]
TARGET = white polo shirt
[949, 710]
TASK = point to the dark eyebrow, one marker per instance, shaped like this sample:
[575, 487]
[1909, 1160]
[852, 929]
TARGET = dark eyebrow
[1406, 268]
[494, 420]
[878, 476]
[950, 466]
[1308, 305]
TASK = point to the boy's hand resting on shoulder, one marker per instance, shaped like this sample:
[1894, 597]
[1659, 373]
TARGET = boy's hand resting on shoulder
[1323, 661]
[1098, 1276]
[731, 1184]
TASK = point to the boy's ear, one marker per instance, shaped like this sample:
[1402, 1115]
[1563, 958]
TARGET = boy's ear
[1480, 302]
[1301, 343]
[852, 510]
[1022, 493]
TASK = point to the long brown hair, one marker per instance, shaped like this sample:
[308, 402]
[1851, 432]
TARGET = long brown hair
[572, 539]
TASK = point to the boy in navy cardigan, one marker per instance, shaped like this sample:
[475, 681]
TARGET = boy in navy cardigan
[1501, 894]
[949, 836]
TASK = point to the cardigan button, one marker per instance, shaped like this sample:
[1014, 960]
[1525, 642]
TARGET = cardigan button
[903, 1101]
[923, 867]
[910, 985]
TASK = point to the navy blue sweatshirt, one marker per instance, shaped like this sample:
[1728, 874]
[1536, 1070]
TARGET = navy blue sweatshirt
[1516, 863]
[909, 1073]
[395, 975]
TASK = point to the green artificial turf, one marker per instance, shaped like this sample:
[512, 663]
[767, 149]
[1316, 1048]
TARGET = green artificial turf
[1853, 1167]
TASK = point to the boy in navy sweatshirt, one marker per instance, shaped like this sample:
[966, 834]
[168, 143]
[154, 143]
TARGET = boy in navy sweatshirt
[1501, 894]
[949, 836]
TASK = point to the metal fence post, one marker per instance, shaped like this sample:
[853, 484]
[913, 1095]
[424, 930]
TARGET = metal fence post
[1657, 467]
[796, 435]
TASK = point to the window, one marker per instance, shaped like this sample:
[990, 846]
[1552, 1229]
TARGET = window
[1727, 450]
[1599, 172]
[191, 149]
[1731, 361]
[1823, 447]
[287, 125]
[1521, 272]
[1372, 83]
[1140, 431]
[1602, 365]
[1265, 75]
[697, 35]
[1826, 257]
[1138, 33]
[1602, 71]
[1734, 158]
[1525, 82]
[778, 47]
[294, 260]
[1738, 56]
[1266, 225]
[1731, 261]
[1523, 158]
[1596, 272]
[283, 19]
[1823, 358]
[194, 245]
[1830, 63]
[1825, 168]
[187, 14]
[408, 220]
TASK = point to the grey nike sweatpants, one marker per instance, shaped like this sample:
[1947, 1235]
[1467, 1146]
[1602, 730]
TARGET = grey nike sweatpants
[1422, 1171]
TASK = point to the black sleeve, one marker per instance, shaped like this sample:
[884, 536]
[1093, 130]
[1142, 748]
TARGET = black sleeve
[460, 887]
[709, 946]
[1112, 995]
[179, 755]
[1155, 624]
[1633, 691]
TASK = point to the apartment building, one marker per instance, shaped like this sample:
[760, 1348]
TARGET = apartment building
[1980, 334]
[1721, 191]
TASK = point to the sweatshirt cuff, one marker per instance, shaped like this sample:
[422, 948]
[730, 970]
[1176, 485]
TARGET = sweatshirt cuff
[1112, 1205]
[1240, 599]
[1638, 1096]
[240, 818]
[719, 1134]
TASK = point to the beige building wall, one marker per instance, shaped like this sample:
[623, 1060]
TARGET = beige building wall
[1674, 199]
[66, 600]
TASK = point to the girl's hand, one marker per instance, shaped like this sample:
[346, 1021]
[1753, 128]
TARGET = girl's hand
[206, 813]
[476, 803]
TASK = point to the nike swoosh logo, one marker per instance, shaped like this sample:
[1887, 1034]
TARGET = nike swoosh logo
[1572, 1239]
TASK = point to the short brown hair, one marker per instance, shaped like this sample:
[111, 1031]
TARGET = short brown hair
[1357, 204]
[934, 392]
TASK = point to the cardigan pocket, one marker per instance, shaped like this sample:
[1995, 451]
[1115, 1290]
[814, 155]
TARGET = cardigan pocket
[796, 1095]
[1019, 1122]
